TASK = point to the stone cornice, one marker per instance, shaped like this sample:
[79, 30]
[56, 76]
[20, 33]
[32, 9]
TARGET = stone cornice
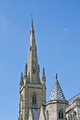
[57, 101]
[37, 86]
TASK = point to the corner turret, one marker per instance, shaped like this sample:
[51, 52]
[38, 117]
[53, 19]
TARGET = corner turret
[57, 93]
[57, 103]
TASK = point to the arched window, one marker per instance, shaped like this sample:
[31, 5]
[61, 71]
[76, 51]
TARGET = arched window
[34, 99]
[61, 114]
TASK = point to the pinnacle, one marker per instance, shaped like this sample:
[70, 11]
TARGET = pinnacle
[43, 76]
[25, 74]
[21, 81]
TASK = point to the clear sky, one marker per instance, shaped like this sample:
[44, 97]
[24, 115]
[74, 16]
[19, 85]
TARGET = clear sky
[57, 33]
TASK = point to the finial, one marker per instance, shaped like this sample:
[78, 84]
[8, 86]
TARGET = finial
[31, 16]
[56, 75]
[21, 75]
[32, 28]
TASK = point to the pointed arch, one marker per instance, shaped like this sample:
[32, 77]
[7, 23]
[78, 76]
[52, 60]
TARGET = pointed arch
[61, 115]
[34, 98]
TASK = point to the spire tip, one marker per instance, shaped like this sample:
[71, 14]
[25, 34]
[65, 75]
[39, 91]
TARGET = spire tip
[56, 75]
[32, 18]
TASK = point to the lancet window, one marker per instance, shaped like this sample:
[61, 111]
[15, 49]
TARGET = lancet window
[61, 114]
[34, 99]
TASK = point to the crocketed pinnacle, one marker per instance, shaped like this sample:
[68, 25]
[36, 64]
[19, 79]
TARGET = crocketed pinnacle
[57, 93]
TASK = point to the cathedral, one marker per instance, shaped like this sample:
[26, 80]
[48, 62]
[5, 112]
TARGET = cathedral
[32, 93]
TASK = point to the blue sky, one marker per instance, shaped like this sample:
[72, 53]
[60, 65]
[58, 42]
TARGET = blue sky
[57, 33]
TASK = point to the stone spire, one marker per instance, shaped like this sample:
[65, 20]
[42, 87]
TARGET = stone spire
[32, 63]
[21, 80]
[57, 93]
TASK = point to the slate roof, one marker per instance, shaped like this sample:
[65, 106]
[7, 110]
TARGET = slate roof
[57, 93]
[75, 97]
[36, 113]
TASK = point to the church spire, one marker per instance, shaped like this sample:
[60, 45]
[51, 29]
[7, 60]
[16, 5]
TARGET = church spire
[32, 63]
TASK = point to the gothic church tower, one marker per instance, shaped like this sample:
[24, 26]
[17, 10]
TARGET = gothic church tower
[32, 91]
